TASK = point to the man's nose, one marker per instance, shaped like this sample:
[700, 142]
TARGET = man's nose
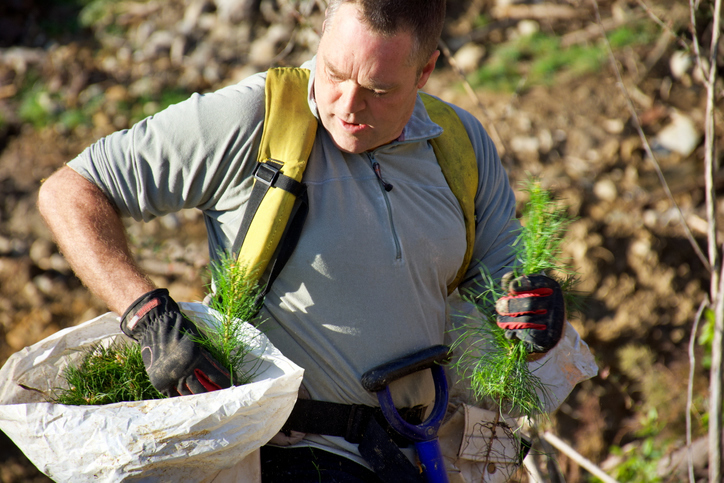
[352, 98]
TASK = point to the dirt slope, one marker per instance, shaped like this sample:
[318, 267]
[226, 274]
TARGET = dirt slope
[63, 85]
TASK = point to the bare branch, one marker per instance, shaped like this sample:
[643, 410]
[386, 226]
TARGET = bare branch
[715, 389]
[690, 386]
[664, 26]
[693, 7]
[585, 463]
[490, 126]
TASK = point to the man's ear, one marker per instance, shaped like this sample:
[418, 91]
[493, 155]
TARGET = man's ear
[427, 69]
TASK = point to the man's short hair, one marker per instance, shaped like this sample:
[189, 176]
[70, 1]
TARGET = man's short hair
[423, 18]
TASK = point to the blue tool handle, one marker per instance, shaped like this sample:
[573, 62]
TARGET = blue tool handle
[423, 435]
[432, 462]
[378, 378]
[428, 429]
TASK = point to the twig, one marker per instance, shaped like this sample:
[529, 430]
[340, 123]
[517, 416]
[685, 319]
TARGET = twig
[665, 27]
[690, 386]
[490, 125]
[481, 33]
[644, 140]
[715, 390]
[534, 475]
[694, 39]
[287, 48]
[710, 150]
[716, 287]
[585, 463]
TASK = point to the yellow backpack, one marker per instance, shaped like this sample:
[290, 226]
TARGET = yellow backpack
[279, 195]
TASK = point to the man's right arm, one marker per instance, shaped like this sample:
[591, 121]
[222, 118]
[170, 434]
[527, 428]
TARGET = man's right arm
[91, 235]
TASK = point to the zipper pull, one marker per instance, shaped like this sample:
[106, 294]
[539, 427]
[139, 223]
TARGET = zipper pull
[378, 172]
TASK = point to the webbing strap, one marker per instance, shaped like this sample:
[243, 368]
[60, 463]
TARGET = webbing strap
[266, 175]
[286, 142]
[289, 240]
[458, 162]
[385, 458]
[365, 426]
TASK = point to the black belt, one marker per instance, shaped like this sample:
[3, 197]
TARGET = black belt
[346, 420]
[365, 426]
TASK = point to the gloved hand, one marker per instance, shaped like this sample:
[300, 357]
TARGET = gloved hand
[176, 365]
[533, 311]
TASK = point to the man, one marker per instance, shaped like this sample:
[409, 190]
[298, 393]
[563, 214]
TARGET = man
[384, 236]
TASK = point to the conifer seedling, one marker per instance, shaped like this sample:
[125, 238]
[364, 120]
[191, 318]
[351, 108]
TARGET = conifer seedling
[497, 367]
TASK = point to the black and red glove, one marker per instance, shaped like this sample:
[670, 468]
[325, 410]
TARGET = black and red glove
[176, 364]
[533, 311]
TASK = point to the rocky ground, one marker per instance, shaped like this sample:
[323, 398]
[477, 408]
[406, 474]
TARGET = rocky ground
[69, 75]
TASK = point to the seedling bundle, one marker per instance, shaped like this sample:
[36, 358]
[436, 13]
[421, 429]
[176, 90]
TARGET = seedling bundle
[115, 373]
[497, 368]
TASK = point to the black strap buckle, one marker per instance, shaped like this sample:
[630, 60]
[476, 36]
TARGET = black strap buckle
[267, 173]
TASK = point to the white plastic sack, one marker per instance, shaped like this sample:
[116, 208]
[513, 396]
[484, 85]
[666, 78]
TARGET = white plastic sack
[187, 438]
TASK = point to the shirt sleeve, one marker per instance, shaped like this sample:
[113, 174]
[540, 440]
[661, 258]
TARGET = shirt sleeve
[198, 153]
[496, 226]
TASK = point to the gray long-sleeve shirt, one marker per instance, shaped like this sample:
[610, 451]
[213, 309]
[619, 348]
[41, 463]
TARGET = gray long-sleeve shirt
[368, 280]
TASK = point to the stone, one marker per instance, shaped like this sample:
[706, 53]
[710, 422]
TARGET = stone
[469, 57]
[680, 135]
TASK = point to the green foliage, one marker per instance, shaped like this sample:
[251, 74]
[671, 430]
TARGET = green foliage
[172, 96]
[640, 33]
[481, 21]
[107, 375]
[36, 108]
[496, 367]
[235, 302]
[640, 460]
[73, 118]
[706, 337]
[97, 13]
[639, 463]
[539, 58]
[41, 109]
[538, 246]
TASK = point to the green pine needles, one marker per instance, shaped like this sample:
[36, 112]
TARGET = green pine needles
[497, 368]
[106, 375]
[235, 301]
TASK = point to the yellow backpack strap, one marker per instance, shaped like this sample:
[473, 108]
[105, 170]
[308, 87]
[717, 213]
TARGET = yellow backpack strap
[286, 142]
[458, 162]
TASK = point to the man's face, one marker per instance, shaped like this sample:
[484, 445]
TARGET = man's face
[365, 84]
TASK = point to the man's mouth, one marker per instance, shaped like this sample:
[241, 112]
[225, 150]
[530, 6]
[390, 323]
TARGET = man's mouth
[352, 128]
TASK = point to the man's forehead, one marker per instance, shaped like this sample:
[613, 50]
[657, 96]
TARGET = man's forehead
[376, 80]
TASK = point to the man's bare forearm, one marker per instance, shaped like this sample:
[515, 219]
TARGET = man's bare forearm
[91, 235]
